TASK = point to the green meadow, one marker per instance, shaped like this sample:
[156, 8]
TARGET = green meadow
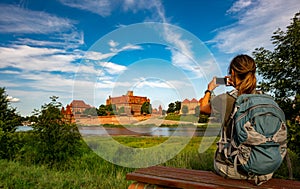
[92, 171]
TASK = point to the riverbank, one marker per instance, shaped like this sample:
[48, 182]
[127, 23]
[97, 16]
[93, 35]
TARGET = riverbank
[134, 120]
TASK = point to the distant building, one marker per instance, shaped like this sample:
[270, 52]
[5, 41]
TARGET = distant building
[129, 103]
[68, 114]
[79, 106]
[157, 111]
[191, 104]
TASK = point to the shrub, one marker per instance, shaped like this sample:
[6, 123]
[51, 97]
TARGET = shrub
[54, 141]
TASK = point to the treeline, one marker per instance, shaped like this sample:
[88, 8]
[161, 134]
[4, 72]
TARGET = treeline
[175, 109]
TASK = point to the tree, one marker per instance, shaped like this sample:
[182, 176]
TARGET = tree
[102, 110]
[146, 108]
[90, 111]
[185, 109]
[203, 118]
[57, 141]
[9, 120]
[280, 72]
[121, 110]
[280, 68]
[111, 109]
[197, 111]
[177, 106]
[171, 108]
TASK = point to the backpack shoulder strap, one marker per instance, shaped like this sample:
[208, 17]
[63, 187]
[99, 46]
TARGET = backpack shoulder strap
[231, 98]
[226, 125]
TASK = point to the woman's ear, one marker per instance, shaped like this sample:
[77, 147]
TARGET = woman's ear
[233, 78]
[232, 73]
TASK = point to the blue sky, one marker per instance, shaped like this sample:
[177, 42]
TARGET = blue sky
[89, 49]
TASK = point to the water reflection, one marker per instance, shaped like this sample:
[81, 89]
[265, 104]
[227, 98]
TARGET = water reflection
[148, 131]
[23, 128]
[141, 131]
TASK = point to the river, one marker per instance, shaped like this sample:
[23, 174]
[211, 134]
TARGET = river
[148, 131]
[141, 131]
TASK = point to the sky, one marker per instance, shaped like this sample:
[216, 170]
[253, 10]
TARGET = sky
[167, 50]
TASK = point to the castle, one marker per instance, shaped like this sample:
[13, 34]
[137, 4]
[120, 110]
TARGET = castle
[132, 104]
[191, 105]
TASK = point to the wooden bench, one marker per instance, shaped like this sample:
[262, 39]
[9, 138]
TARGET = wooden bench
[160, 177]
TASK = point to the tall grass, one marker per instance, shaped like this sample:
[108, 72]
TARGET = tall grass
[91, 171]
[16, 175]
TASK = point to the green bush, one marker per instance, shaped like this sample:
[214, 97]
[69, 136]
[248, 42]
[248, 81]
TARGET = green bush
[9, 120]
[53, 141]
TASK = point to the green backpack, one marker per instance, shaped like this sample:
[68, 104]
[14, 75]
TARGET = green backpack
[258, 141]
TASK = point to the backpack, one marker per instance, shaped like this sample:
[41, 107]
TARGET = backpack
[258, 141]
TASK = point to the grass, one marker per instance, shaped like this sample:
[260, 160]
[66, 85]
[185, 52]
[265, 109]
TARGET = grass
[177, 117]
[92, 171]
[16, 175]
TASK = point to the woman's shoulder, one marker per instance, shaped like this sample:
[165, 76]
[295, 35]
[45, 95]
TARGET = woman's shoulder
[234, 93]
[227, 96]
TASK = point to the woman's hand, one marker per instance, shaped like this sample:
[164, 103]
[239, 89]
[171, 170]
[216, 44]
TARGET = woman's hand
[205, 107]
[212, 84]
[229, 81]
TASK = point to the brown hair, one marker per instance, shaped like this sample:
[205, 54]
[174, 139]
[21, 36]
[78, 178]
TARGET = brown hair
[244, 68]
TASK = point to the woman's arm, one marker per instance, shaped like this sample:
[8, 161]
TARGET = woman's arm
[205, 106]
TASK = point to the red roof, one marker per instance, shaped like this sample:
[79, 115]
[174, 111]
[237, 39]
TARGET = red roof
[186, 101]
[194, 100]
[79, 104]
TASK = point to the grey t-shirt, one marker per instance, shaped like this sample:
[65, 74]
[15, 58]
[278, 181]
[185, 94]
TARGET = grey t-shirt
[222, 106]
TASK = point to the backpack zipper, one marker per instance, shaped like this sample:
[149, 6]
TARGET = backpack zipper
[257, 106]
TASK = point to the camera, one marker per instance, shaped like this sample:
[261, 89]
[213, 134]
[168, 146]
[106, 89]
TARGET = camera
[222, 81]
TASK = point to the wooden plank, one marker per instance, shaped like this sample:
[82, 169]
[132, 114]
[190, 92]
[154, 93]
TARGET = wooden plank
[194, 177]
[141, 185]
[187, 178]
[169, 182]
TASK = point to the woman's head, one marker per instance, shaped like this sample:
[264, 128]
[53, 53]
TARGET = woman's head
[242, 70]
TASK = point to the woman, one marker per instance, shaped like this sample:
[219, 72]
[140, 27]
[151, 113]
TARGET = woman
[242, 77]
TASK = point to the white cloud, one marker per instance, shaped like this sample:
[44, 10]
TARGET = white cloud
[14, 19]
[143, 82]
[70, 40]
[182, 54]
[100, 7]
[181, 60]
[158, 14]
[134, 6]
[18, 20]
[48, 82]
[12, 99]
[255, 25]
[10, 72]
[114, 48]
[109, 67]
[113, 43]
[29, 58]
[105, 8]
[34, 42]
[113, 68]
[92, 55]
[239, 5]
[130, 47]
